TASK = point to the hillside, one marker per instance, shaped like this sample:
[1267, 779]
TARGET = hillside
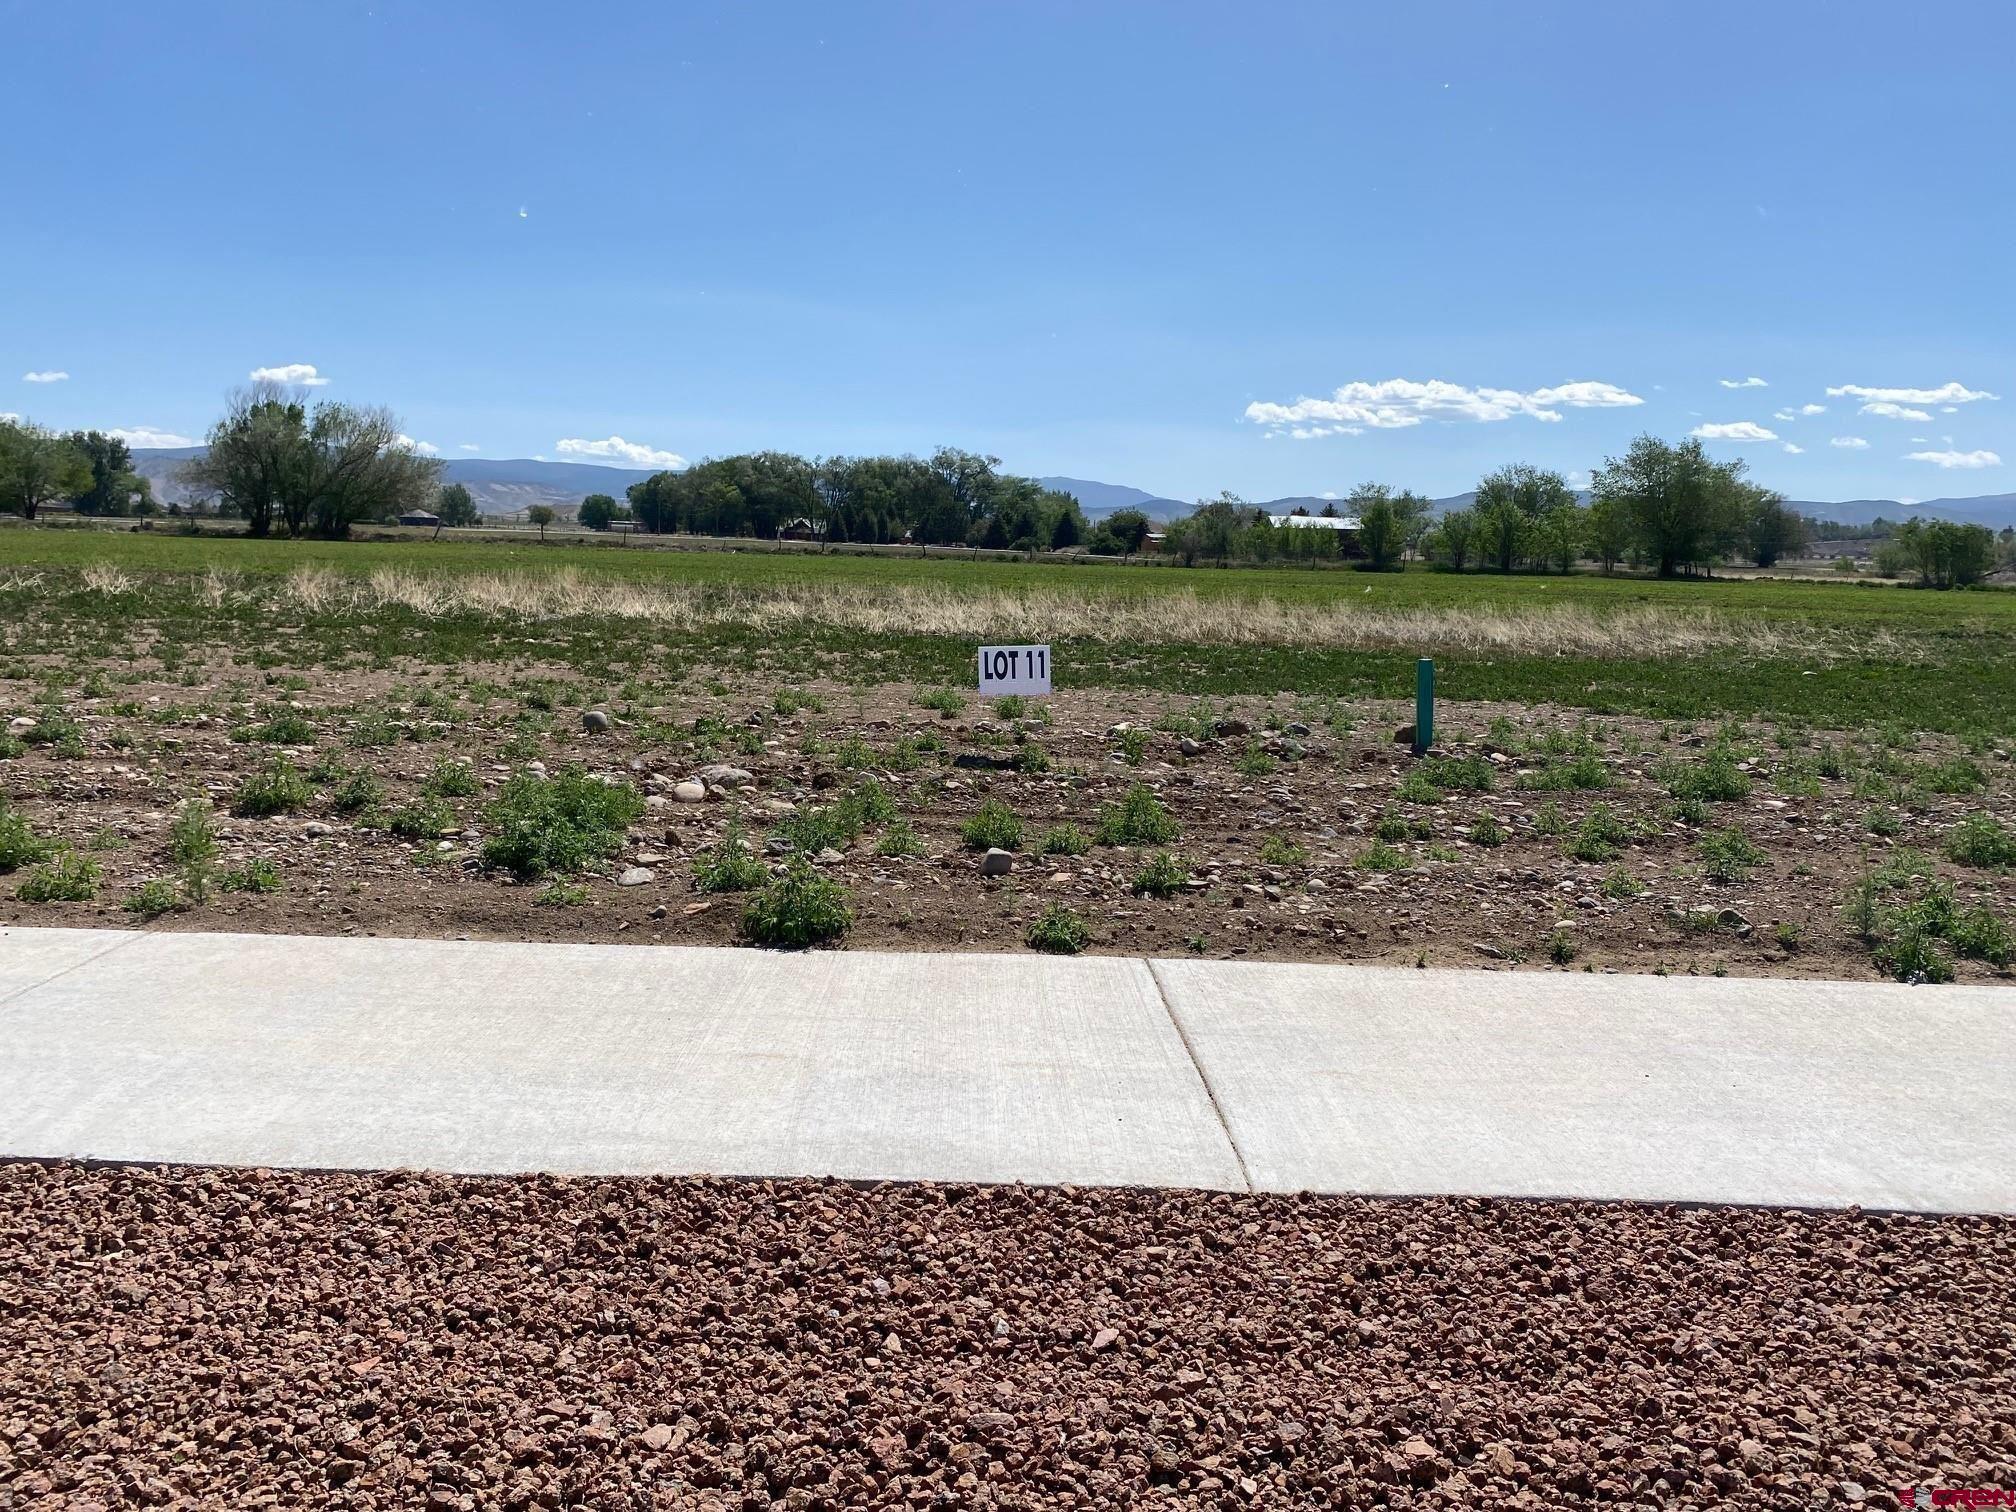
[499, 486]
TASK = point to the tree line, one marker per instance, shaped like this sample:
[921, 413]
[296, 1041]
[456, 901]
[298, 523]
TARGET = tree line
[88, 470]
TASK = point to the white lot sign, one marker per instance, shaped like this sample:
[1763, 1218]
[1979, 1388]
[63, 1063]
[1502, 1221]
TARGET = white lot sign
[1014, 669]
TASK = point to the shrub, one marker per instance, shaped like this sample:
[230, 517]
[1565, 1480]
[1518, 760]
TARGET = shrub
[1279, 850]
[790, 701]
[452, 779]
[1958, 775]
[1161, 876]
[1032, 760]
[1064, 840]
[809, 831]
[285, 728]
[1979, 840]
[152, 899]
[19, 845]
[280, 789]
[1561, 948]
[900, 840]
[69, 878]
[561, 895]
[1133, 745]
[1060, 931]
[1729, 855]
[1548, 820]
[994, 826]
[1416, 788]
[557, 826]
[868, 802]
[423, 819]
[1883, 822]
[1012, 706]
[729, 866]
[1715, 778]
[1621, 884]
[256, 876]
[797, 909]
[1137, 819]
[949, 702]
[1488, 832]
[1979, 934]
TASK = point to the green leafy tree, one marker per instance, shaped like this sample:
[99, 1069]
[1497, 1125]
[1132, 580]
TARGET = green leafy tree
[456, 506]
[1945, 554]
[597, 511]
[1455, 537]
[1773, 530]
[541, 515]
[1510, 505]
[1381, 528]
[1066, 531]
[38, 466]
[115, 489]
[1130, 527]
[1686, 510]
[1558, 536]
[1608, 532]
[256, 455]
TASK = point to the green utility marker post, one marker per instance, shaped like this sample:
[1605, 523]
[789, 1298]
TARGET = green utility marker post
[1424, 704]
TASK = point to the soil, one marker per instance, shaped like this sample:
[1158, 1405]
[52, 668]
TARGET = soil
[205, 1338]
[145, 746]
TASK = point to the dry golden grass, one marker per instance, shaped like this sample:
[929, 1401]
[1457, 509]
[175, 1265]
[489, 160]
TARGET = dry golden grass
[1574, 630]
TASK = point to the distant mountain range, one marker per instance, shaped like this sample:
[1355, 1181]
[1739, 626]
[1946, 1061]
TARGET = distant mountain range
[507, 487]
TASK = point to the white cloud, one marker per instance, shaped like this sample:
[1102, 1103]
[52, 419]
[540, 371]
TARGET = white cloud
[1850, 443]
[147, 435]
[424, 448]
[1794, 448]
[1742, 383]
[1956, 458]
[1398, 402]
[1946, 393]
[1802, 411]
[1890, 411]
[50, 376]
[1734, 430]
[469, 446]
[616, 449]
[301, 373]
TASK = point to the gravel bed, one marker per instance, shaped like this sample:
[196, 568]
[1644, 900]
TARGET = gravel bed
[216, 1338]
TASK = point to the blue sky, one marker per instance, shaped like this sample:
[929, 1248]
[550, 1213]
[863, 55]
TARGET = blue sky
[1277, 249]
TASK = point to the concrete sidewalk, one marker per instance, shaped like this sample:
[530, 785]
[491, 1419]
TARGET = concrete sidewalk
[345, 1052]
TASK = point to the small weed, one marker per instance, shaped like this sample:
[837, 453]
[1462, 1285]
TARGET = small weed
[1381, 857]
[1059, 931]
[1715, 778]
[19, 844]
[1416, 788]
[1161, 876]
[69, 878]
[1031, 760]
[1013, 706]
[1620, 884]
[949, 702]
[1488, 832]
[729, 866]
[1461, 774]
[557, 826]
[1064, 840]
[1133, 745]
[256, 876]
[452, 779]
[994, 826]
[1255, 762]
[1979, 840]
[1561, 947]
[1787, 934]
[152, 899]
[1729, 854]
[791, 701]
[1137, 819]
[561, 895]
[192, 837]
[900, 840]
[1279, 850]
[1549, 821]
[422, 819]
[1955, 776]
[279, 789]
[799, 908]
[1584, 772]
[1601, 836]
[1882, 822]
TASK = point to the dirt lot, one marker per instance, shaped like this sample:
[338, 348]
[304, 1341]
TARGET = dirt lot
[250, 1339]
[1288, 812]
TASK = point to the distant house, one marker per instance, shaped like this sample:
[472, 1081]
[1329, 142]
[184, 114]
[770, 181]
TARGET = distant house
[419, 517]
[800, 529]
[1348, 523]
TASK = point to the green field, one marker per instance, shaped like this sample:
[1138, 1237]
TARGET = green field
[1827, 654]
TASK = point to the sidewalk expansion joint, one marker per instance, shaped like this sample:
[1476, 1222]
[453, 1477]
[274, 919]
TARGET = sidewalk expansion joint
[1203, 1076]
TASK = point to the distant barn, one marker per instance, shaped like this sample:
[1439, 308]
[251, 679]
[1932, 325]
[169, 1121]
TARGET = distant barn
[419, 517]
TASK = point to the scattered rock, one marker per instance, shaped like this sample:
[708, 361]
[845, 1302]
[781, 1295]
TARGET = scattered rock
[596, 721]
[315, 829]
[997, 863]
[720, 774]
[1189, 747]
[690, 792]
[1230, 724]
[636, 876]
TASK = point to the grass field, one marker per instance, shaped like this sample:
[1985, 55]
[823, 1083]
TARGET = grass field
[1832, 655]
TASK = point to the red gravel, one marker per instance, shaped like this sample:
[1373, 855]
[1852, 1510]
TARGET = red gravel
[240, 1339]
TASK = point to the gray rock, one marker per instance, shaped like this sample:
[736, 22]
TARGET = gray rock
[1295, 727]
[596, 721]
[997, 863]
[777, 845]
[1232, 725]
[1189, 747]
[315, 829]
[636, 876]
[690, 792]
[720, 774]
[829, 857]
